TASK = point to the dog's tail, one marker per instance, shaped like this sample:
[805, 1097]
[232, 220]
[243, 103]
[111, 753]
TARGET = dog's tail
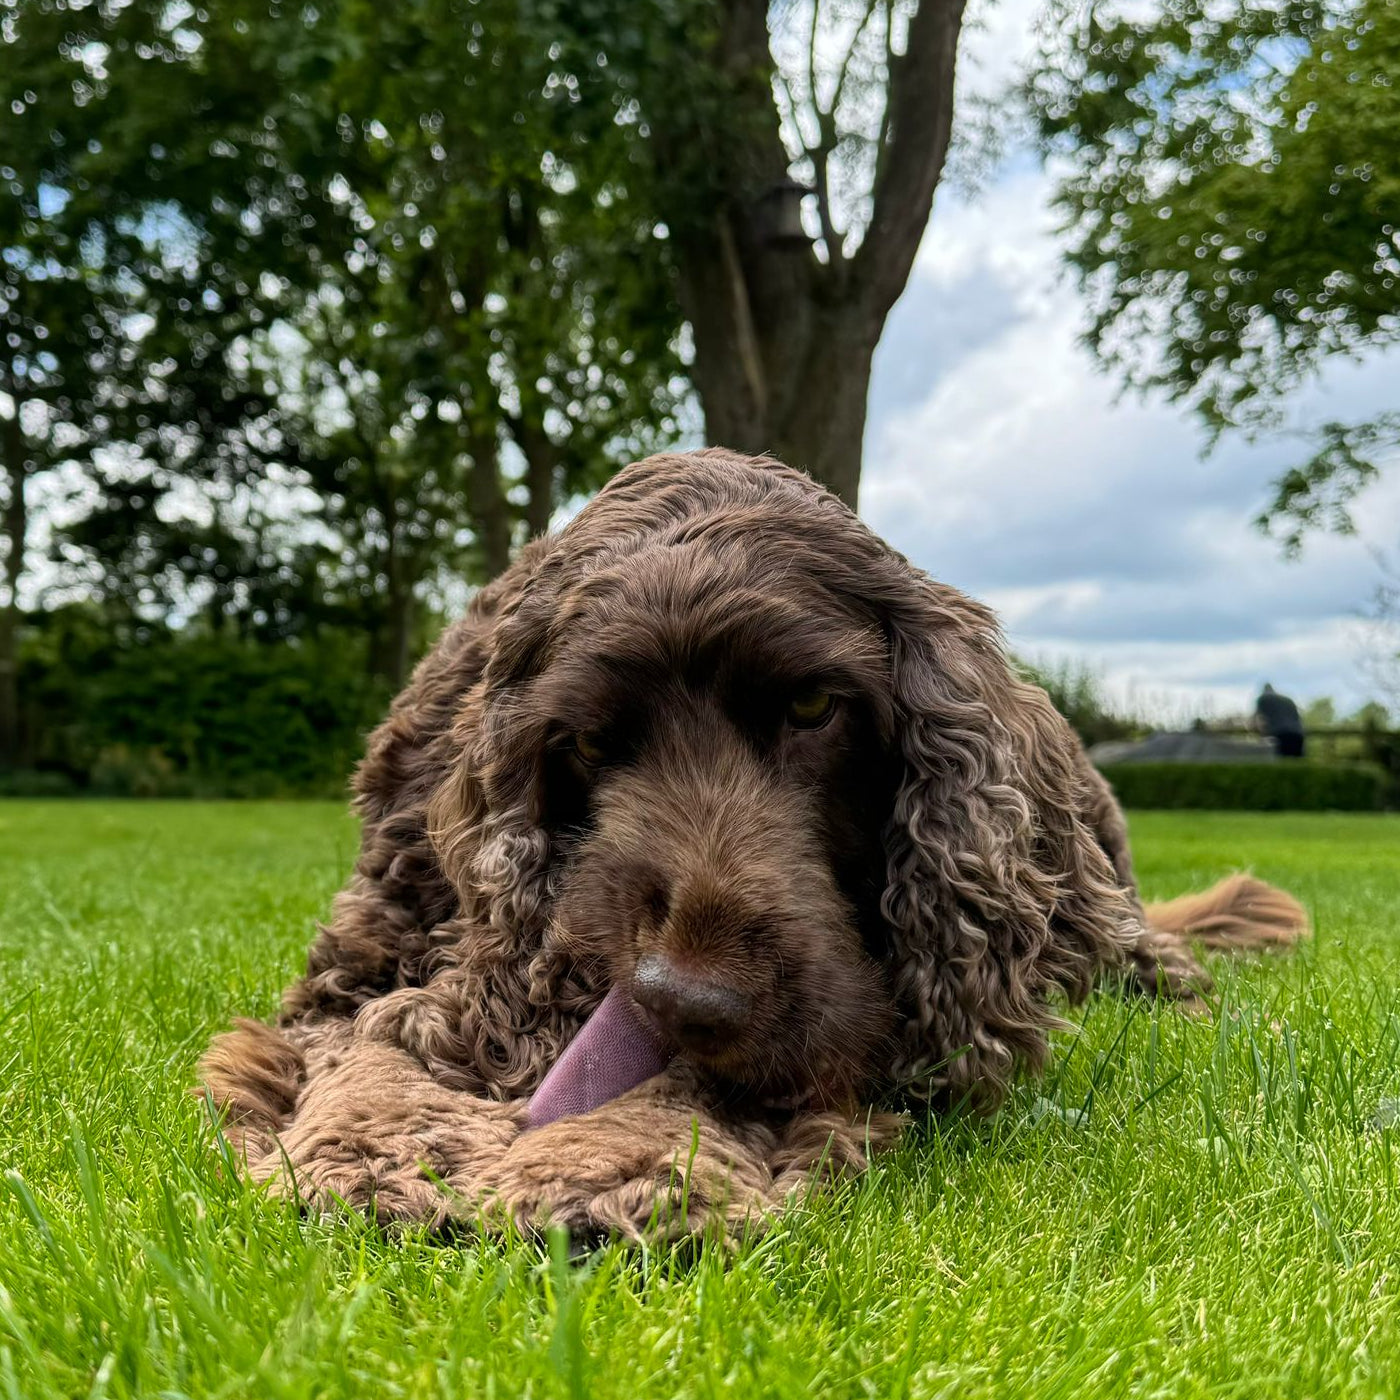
[1240, 914]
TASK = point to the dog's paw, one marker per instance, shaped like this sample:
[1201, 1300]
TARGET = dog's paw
[637, 1169]
[376, 1134]
[396, 1194]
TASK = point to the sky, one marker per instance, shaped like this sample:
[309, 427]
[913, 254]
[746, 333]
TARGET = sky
[1002, 460]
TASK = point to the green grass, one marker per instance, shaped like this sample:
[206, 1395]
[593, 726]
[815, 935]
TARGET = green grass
[1182, 1208]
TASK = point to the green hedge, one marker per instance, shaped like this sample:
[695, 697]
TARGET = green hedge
[1283, 786]
[115, 711]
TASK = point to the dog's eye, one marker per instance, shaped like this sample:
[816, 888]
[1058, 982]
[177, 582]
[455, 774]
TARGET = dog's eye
[590, 750]
[810, 709]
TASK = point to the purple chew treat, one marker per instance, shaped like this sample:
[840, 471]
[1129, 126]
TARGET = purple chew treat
[614, 1052]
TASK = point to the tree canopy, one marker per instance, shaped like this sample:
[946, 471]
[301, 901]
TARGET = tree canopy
[311, 314]
[1227, 173]
[325, 307]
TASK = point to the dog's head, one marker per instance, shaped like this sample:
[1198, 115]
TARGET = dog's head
[738, 755]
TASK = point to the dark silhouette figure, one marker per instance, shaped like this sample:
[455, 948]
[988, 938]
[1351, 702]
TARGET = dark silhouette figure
[1278, 717]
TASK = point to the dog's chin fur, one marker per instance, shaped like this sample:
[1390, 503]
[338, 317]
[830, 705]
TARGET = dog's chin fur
[608, 759]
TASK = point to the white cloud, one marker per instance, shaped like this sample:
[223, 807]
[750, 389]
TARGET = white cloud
[1002, 460]
[998, 39]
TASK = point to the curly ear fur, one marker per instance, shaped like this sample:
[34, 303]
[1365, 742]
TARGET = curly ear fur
[494, 851]
[999, 892]
[390, 928]
[495, 1002]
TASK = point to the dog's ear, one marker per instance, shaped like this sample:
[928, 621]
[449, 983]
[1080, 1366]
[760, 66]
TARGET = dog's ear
[484, 820]
[998, 892]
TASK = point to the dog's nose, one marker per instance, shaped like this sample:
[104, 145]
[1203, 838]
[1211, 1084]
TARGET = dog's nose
[698, 1013]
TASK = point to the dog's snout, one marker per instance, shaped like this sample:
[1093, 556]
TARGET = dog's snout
[697, 1012]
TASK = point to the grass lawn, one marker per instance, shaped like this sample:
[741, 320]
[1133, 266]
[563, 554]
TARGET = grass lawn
[1182, 1208]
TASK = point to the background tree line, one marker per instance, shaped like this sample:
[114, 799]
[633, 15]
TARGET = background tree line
[311, 314]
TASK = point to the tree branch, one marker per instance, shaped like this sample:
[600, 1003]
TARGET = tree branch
[746, 333]
[835, 251]
[841, 77]
[827, 134]
[542, 457]
[917, 127]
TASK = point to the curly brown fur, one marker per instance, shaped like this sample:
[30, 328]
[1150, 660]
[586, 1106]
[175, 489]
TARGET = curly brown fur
[718, 744]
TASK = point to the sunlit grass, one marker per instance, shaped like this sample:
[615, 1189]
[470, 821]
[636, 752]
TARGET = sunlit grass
[1182, 1208]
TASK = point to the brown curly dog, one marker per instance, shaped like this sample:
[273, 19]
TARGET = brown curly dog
[717, 747]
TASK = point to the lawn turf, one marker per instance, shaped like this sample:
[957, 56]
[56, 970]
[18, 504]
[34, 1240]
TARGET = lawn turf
[1182, 1208]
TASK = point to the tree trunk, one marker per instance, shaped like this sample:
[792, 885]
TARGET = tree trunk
[818, 424]
[784, 340]
[541, 465]
[824, 430]
[398, 634]
[487, 504]
[391, 631]
[391, 637]
[793, 381]
[15, 468]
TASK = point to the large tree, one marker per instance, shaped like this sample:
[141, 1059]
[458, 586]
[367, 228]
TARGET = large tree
[1232, 193]
[368, 270]
[741, 105]
[432, 266]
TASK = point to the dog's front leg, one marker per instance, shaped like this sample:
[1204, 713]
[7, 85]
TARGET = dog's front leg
[660, 1163]
[372, 1130]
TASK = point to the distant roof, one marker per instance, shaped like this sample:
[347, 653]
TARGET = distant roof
[1192, 746]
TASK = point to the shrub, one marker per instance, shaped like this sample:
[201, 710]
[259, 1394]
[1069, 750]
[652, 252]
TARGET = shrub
[1077, 693]
[29, 782]
[1256, 787]
[158, 712]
